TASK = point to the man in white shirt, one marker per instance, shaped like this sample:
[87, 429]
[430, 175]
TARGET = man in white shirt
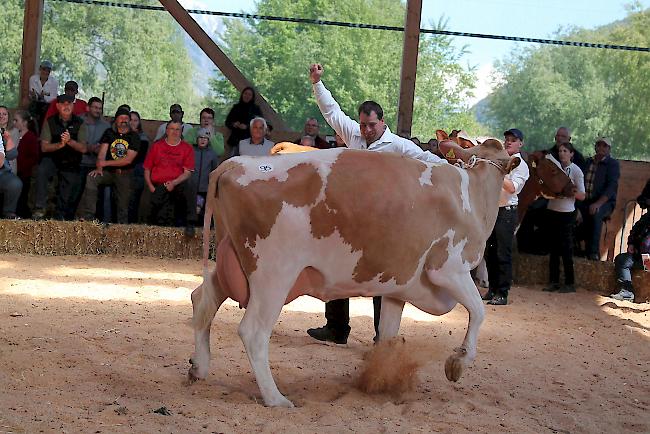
[498, 249]
[371, 133]
[43, 89]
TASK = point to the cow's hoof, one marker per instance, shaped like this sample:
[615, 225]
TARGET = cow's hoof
[454, 367]
[281, 401]
[191, 376]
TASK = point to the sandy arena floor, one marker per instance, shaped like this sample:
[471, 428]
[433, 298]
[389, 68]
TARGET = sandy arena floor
[95, 344]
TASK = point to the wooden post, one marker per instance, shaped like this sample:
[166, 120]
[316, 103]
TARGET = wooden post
[220, 59]
[409, 67]
[32, 28]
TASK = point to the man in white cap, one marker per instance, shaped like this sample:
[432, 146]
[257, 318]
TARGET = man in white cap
[43, 89]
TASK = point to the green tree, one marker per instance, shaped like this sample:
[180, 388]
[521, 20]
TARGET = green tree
[360, 64]
[594, 92]
[132, 56]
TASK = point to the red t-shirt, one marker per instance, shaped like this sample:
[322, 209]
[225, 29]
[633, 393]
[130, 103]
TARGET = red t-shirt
[79, 108]
[167, 162]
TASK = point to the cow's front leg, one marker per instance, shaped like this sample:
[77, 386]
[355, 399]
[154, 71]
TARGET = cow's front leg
[206, 300]
[462, 288]
[262, 313]
[389, 320]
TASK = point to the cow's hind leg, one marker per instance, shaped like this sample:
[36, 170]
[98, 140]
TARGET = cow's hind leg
[461, 288]
[262, 313]
[206, 300]
[390, 318]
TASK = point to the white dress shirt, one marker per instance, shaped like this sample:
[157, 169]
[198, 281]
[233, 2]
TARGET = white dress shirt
[350, 131]
[518, 176]
[50, 89]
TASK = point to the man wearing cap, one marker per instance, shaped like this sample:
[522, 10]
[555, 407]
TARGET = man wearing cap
[206, 121]
[205, 161]
[175, 115]
[43, 89]
[498, 248]
[119, 146]
[79, 108]
[63, 143]
[601, 184]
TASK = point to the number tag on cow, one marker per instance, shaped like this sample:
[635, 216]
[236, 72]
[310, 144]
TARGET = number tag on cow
[265, 168]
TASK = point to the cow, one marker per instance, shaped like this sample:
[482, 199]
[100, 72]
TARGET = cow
[341, 223]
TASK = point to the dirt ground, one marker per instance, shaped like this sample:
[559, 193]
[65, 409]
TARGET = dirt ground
[96, 344]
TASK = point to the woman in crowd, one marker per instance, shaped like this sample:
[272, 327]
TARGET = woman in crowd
[137, 185]
[257, 144]
[5, 125]
[29, 152]
[561, 220]
[239, 118]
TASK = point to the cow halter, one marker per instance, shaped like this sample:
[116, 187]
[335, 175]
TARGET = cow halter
[474, 160]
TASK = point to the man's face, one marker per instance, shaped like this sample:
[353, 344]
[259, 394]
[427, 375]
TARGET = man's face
[4, 117]
[65, 109]
[257, 131]
[371, 127]
[95, 110]
[174, 132]
[311, 127]
[176, 115]
[207, 120]
[513, 144]
[562, 136]
[44, 73]
[71, 91]
[122, 123]
[602, 149]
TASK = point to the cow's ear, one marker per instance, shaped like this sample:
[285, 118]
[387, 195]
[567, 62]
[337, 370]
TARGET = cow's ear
[441, 135]
[512, 164]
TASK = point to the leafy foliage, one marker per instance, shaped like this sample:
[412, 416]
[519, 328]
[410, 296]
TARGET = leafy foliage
[359, 64]
[594, 92]
[134, 57]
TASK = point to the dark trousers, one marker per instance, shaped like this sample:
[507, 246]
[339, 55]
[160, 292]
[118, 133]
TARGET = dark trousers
[168, 207]
[69, 181]
[22, 209]
[592, 226]
[10, 188]
[137, 187]
[560, 234]
[498, 251]
[337, 313]
[122, 183]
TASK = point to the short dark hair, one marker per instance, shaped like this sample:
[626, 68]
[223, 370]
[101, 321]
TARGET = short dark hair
[207, 110]
[95, 99]
[368, 107]
[71, 85]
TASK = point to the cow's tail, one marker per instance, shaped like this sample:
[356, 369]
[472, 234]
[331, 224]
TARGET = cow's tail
[207, 304]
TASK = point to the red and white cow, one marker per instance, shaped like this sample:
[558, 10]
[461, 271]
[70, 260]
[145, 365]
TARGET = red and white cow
[340, 223]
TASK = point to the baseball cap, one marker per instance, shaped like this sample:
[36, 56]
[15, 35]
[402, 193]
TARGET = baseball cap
[122, 112]
[47, 64]
[203, 132]
[514, 132]
[604, 140]
[64, 98]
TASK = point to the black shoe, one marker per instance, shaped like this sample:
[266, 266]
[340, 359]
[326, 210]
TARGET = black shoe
[567, 288]
[189, 231]
[329, 335]
[498, 300]
[488, 295]
[594, 257]
[552, 287]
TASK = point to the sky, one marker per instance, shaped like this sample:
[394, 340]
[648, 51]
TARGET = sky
[527, 18]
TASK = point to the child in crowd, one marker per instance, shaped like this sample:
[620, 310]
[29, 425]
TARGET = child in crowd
[205, 161]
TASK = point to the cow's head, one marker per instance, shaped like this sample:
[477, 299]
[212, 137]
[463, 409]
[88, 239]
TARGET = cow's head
[552, 180]
[491, 151]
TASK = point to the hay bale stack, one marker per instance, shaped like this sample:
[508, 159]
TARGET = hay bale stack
[51, 237]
